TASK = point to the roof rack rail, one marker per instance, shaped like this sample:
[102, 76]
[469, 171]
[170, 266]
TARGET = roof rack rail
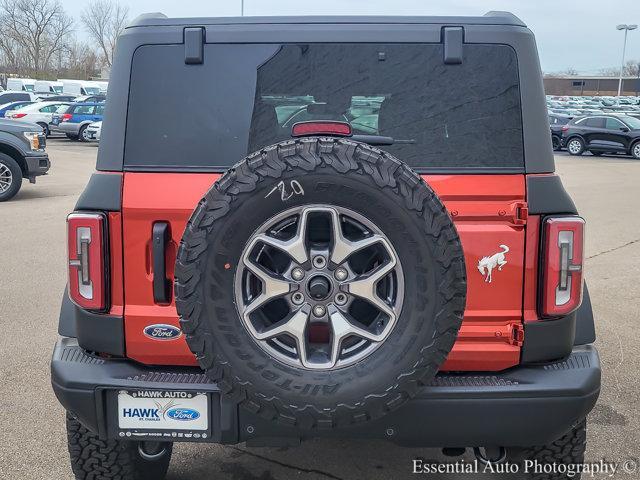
[503, 14]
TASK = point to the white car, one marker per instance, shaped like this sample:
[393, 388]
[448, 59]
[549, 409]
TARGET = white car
[93, 131]
[39, 112]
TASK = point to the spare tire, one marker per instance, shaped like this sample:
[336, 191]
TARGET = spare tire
[320, 282]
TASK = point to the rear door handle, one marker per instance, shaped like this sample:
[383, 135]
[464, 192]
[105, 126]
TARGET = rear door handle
[161, 285]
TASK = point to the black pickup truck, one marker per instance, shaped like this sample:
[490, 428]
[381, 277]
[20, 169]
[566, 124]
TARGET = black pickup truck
[22, 155]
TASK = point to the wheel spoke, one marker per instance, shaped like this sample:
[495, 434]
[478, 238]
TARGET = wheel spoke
[343, 248]
[365, 287]
[295, 247]
[272, 286]
[294, 325]
[342, 328]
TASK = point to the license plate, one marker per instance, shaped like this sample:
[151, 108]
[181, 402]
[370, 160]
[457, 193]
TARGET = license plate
[163, 410]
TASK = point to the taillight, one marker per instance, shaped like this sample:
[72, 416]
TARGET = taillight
[86, 241]
[324, 127]
[18, 115]
[565, 128]
[66, 117]
[563, 258]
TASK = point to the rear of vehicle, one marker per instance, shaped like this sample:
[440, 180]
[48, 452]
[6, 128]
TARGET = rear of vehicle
[75, 120]
[457, 104]
[40, 113]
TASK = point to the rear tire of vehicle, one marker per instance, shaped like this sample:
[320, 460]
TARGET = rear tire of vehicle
[331, 173]
[635, 150]
[82, 134]
[45, 129]
[556, 143]
[96, 459]
[72, 137]
[10, 176]
[567, 450]
[575, 146]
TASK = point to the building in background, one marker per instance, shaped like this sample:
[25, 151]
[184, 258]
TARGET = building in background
[590, 85]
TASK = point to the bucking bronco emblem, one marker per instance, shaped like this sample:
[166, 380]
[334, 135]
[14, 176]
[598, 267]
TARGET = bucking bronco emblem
[487, 264]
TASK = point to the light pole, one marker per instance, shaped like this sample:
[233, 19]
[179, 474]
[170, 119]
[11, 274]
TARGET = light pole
[626, 29]
[242, 9]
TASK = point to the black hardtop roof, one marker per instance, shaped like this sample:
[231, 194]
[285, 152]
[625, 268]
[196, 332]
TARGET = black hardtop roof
[490, 18]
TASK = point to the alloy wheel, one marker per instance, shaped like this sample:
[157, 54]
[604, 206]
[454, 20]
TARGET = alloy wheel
[6, 178]
[319, 287]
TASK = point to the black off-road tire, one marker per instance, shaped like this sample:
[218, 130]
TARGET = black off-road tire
[16, 177]
[568, 450]
[95, 459]
[347, 174]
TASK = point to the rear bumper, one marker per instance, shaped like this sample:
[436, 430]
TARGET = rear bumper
[66, 127]
[523, 406]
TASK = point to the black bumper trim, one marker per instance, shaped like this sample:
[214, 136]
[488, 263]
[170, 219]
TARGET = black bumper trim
[529, 405]
[37, 164]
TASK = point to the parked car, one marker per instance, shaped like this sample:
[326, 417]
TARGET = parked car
[76, 118]
[7, 108]
[22, 155]
[556, 122]
[603, 134]
[39, 112]
[59, 98]
[280, 284]
[9, 96]
[93, 131]
[100, 98]
[21, 84]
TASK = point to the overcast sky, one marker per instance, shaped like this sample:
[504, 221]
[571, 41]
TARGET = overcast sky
[578, 34]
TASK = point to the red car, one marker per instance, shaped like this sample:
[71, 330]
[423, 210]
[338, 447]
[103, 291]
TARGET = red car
[399, 263]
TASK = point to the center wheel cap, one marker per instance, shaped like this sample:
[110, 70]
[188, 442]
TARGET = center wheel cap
[319, 287]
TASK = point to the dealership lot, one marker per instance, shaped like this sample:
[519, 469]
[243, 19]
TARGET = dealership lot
[32, 259]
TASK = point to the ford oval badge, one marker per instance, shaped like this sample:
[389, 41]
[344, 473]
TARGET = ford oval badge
[183, 414]
[162, 332]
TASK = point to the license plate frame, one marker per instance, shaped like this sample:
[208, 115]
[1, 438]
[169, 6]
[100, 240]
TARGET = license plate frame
[175, 415]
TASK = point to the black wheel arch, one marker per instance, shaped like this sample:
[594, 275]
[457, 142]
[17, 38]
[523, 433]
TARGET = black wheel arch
[16, 155]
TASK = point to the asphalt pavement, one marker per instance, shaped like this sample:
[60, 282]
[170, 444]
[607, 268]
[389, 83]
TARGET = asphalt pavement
[33, 275]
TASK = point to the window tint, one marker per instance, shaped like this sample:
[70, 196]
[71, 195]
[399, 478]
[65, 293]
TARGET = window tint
[99, 109]
[245, 97]
[595, 122]
[84, 110]
[48, 109]
[613, 124]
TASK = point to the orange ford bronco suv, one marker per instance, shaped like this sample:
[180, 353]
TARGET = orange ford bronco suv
[324, 227]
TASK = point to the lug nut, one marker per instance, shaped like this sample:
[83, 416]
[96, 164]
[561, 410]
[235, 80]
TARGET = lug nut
[341, 274]
[297, 273]
[341, 299]
[319, 310]
[297, 298]
[319, 261]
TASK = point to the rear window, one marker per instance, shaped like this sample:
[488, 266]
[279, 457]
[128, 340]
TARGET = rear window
[245, 97]
[83, 110]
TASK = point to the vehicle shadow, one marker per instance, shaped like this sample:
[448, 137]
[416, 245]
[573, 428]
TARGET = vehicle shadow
[323, 459]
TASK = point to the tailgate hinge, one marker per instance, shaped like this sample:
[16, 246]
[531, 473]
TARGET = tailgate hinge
[517, 334]
[519, 213]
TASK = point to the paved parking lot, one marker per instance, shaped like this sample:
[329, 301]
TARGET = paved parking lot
[32, 278]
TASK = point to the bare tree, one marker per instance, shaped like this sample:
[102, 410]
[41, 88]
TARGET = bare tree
[33, 32]
[104, 21]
